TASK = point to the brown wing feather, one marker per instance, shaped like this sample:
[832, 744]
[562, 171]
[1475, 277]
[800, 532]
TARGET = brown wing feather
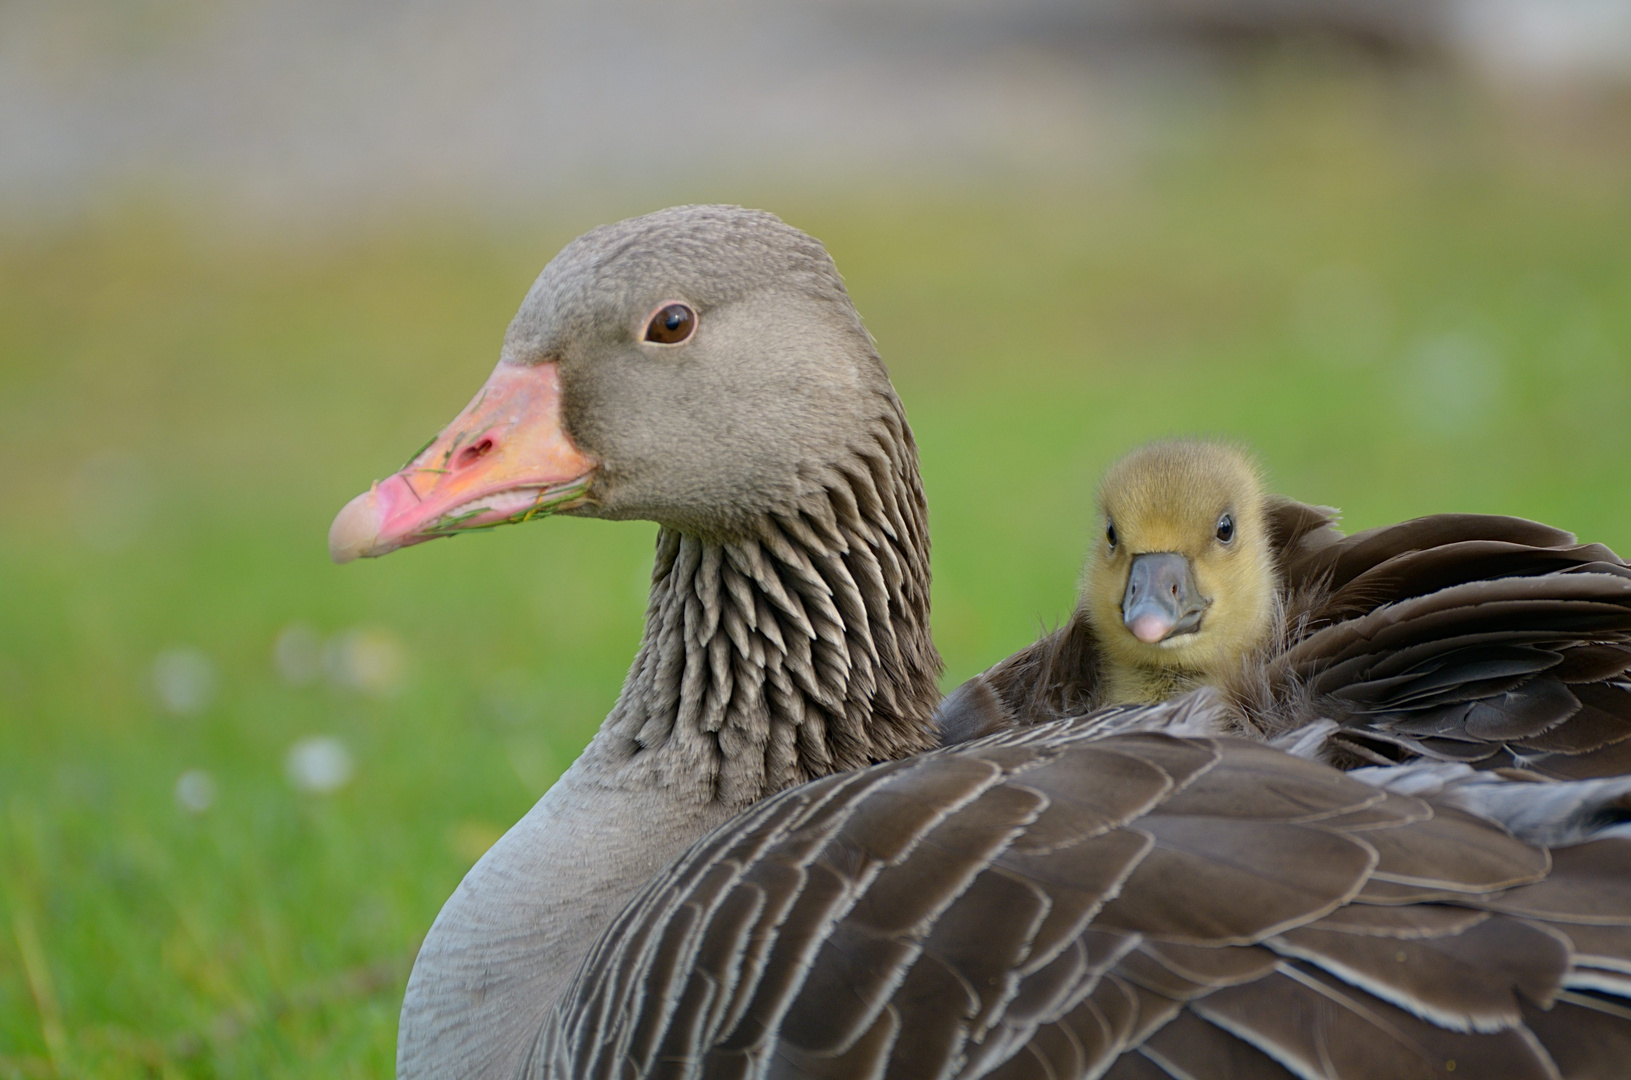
[1045, 903]
[1363, 552]
[1480, 671]
[1458, 637]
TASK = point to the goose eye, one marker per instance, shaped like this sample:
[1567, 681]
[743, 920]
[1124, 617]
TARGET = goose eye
[1110, 534]
[672, 324]
[1226, 528]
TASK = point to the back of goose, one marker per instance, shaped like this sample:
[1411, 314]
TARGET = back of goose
[1047, 903]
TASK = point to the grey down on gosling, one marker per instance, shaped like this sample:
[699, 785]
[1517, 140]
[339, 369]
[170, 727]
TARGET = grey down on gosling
[765, 865]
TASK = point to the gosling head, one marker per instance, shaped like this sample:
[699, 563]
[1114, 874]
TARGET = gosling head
[1182, 579]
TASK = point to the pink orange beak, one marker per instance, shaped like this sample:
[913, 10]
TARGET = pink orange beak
[503, 459]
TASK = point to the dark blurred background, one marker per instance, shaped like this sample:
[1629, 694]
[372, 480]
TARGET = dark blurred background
[252, 254]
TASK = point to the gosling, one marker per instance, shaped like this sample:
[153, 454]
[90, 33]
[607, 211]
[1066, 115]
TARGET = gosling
[1183, 586]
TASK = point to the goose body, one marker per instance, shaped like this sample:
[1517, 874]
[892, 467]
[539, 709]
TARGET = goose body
[761, 867]
[1049, 902]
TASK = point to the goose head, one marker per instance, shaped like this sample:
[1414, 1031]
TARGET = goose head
[1182, 577]
[698, 367]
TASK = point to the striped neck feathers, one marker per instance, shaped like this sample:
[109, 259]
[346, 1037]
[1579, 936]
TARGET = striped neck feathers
[799, 650]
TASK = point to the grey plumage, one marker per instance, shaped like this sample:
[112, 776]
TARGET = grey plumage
[1551, 813]
[787, 634]
[1049, 902]
[797, 649]
[758, 869]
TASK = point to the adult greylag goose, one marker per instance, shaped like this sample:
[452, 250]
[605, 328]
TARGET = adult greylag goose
[757, 869]
[1493, 641]
[703, 368]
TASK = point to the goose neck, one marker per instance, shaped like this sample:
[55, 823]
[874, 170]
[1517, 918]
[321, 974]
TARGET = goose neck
[798, 650]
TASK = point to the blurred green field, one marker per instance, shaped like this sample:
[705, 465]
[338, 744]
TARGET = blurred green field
[1409, 298]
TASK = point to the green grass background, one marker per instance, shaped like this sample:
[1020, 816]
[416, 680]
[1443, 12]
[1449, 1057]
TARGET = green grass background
[1036, 327]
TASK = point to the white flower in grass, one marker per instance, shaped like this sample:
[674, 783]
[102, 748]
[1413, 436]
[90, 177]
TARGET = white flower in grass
[298, 654]
[318, 764]
[368, 660]
[195, 791]
[184, 680]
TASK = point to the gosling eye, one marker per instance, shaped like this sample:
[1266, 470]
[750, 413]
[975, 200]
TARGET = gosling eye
[671, 324]
[1110, 534]
[1226, 528]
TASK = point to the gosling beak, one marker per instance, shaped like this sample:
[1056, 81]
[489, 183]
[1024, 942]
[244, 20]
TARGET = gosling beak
[1162, 599]
[503, 459]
